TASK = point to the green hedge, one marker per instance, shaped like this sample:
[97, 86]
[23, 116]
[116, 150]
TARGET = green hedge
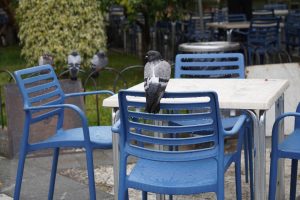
[59, 27]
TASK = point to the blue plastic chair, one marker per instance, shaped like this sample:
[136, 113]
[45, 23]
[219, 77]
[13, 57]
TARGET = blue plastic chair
[288, 148]
[263, 39]
[199, 163]
[219, 65]
[43, 99]
[292, 31]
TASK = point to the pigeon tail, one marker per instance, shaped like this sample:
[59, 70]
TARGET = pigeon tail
[153, 95]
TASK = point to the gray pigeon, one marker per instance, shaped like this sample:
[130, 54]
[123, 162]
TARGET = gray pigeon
[45, 59]
[74, 61]
[99, 61]
[157, 73]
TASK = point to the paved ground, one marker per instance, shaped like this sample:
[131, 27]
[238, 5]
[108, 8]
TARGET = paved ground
[37, 173]
[72, 178]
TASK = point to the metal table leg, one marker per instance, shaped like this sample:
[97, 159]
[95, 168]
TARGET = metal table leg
[259, 123]
[116, 156]
[258, 118]
[279, 109]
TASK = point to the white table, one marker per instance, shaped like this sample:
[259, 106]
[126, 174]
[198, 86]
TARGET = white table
[255, 95]
[230, 26]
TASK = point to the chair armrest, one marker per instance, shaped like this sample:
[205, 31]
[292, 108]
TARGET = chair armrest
[276, 124]
[89, 93]
[237, 126]
[75, 108]
[116, 127]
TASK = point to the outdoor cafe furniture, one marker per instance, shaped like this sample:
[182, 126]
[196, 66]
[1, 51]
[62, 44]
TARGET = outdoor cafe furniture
[219, 65]
[292, 31]
[291, 72]
[254, 95]
[288, 148]
[199, 163]
[43, 99]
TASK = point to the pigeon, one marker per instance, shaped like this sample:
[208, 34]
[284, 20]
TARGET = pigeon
[99, 61]
[157, 73]
[46, 59]
[74, 61]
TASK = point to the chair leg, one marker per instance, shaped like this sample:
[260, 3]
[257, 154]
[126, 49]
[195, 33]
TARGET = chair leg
[144, 195]
[53, 173]
[90, 169]
[293, 184]
[19, 176]
[246, 158]
[123, 189]
[238, 187]
[273, 176]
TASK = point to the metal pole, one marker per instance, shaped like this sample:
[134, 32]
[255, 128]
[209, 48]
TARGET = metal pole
[200, 11]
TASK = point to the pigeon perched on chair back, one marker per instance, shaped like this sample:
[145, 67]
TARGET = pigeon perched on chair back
[74, 61]
[157, 73]
[46, 59]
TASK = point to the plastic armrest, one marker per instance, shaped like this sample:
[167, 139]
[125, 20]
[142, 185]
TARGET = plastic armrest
[116, 127]
[276, 124]
[237, 126]
[75, 108]
[89, 93]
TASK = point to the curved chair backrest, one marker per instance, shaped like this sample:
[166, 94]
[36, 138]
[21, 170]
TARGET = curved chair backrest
[39, 86]
[275, 6]
[237, 17]
[262, 13]
[150, 136]
[213, 65]
[263, 32]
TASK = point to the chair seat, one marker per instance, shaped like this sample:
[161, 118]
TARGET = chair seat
[290, 145]
[189, 177]
[100, 136]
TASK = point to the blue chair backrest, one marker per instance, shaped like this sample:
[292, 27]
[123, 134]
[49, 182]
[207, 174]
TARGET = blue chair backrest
[237, 17]
[213, 65]
[39, 86]
[263, 32]
[262, 13]
[150, 136]
[275, 6]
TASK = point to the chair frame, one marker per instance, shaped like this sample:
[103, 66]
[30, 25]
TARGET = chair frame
[278, 152]
[123, 128]
[52, 104]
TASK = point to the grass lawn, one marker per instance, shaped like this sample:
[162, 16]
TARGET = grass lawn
[11, 60]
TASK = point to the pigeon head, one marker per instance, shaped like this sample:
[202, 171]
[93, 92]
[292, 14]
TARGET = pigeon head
[45, 59]
[153, 56]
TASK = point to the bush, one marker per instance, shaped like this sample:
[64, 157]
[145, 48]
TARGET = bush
[60, 27]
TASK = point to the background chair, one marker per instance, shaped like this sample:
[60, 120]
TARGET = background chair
[262, 39]
[199, 163]
[292, 31]
[288, 148]
[43, 99]
[219, 65]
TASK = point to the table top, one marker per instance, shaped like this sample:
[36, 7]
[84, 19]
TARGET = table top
[233, 25]
[213, 46]
[256, 94]
[229, 25]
